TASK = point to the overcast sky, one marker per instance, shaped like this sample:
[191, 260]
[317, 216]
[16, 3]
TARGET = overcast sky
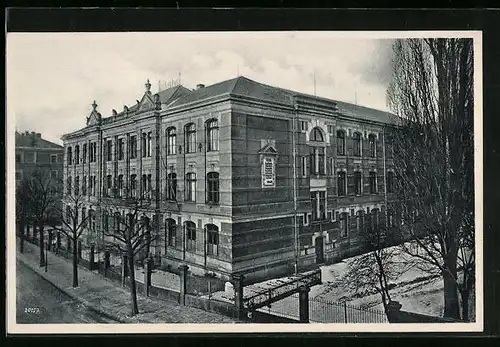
[52, 78]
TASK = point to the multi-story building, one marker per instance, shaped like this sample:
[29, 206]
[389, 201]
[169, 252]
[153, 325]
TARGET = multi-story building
[36, 154]
[218, 165]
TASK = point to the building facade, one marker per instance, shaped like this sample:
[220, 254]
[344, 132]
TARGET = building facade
[217, 164]
[33, 153]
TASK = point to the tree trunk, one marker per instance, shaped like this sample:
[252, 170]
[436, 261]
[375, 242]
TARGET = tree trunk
[133, 287]
[42, 254]
[451, 303]
[465, 304]
[75, 262]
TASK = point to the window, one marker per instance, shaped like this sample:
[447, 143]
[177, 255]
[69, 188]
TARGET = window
[170, 229]
[53, 174]
[341, 183]
[149, 187]
[359, 221]
[143, 145]
[303, 125]
[77, 154]
[372, 148]
[146, 186]
[390, 182]
[316, 135]
[357, 183]
[133, 185]
[149, 144]
[69, 156]
[317, 158]
[53, 158]
[93, 152]
[120, 186]
[84, 185]
[344, 224]
[318, 205]
[357, 144]
[91, 185]
[18, 158]
[190, 236]
[212, 239]
[373, 182]
[171, 193]
[190, 138]
[109, 184]
[213, 194]
[109, 150]
[84, 155]
[133, 147]
[121, 149]
[331, 129]
[68, 183]
[340, 142]
[304, 166]
[77, 185]
[331, 166]
[190, 187]
[213, 135]
[268, 172]
[171, 141]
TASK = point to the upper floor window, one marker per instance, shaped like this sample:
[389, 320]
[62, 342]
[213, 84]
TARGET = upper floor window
[341, 183]
[170, 230]
[190, 191]
[357, 183]
[93, 152]
[304, 166]
[77, 154]
[69, 155]
[171, 141]
[149, 149]
[133, 185]
[212, 239]
[317, 135]
[68, 183]
[303, 125]
[109, 184]
[109, 150]
[121, 149]
[317, 159]
[373, 182]
[318, 205]
[372, 145]
[53, 158]
[146, 185]
[331, 128]
[213, 187]
[356, 138]
[18, 158]
[120, 185]
[53, 174]
[144, 145]
[133, 147]
[213, 135]
[190, 133]
[171, 186]
[190, 236]
[77, 185]
[341, 142]
[84, 153]
[84, 185]
[390, 182]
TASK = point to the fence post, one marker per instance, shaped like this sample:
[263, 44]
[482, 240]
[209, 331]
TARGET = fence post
[345, 311]
[148, 270]
[124, 268]
[304, 304]
[183, 269]
[92, 257]
[238, 293]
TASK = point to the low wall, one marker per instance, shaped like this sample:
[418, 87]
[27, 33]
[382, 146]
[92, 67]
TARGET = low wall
[220, 307]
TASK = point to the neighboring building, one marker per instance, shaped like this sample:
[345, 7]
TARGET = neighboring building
[36, 154]
[217, 163]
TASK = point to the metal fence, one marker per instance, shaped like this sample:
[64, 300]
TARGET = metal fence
[324, 311]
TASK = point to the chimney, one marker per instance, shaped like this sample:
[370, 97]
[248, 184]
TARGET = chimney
[199, 86]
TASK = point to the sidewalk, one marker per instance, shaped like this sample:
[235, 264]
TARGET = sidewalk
[111, 300]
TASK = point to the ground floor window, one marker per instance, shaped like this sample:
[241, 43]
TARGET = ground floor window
[170, 228]
[190, 236]
[212, 239]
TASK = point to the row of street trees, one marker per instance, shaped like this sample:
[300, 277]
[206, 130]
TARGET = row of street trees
[431, 91]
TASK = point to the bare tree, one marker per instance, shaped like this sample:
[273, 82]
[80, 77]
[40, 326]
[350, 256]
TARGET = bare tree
[432, 92]
[127, 229]
[72, 224]
[45, 199]
[23, 209]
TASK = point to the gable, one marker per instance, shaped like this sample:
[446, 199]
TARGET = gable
[147, 103]
[94, 118]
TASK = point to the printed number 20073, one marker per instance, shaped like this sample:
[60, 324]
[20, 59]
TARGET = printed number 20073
[31, 310]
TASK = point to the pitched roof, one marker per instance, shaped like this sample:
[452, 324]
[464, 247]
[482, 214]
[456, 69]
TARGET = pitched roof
[32, 140]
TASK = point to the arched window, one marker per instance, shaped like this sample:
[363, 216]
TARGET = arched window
[171, 141]
[190, 192]
[171, 193]
[190, 134]
[372, 147]
[316, 135]
[212, 239]
[213, 194]
[340, 142]
[212, 135]
[170, 229]
[190, 236]
[356, 137]
[373, 182]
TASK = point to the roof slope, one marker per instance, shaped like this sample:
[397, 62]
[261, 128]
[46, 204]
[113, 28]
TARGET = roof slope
[30, 140]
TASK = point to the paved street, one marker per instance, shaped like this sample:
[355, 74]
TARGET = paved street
[38, 301]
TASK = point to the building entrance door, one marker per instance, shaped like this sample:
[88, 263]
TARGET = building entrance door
[319, 250]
